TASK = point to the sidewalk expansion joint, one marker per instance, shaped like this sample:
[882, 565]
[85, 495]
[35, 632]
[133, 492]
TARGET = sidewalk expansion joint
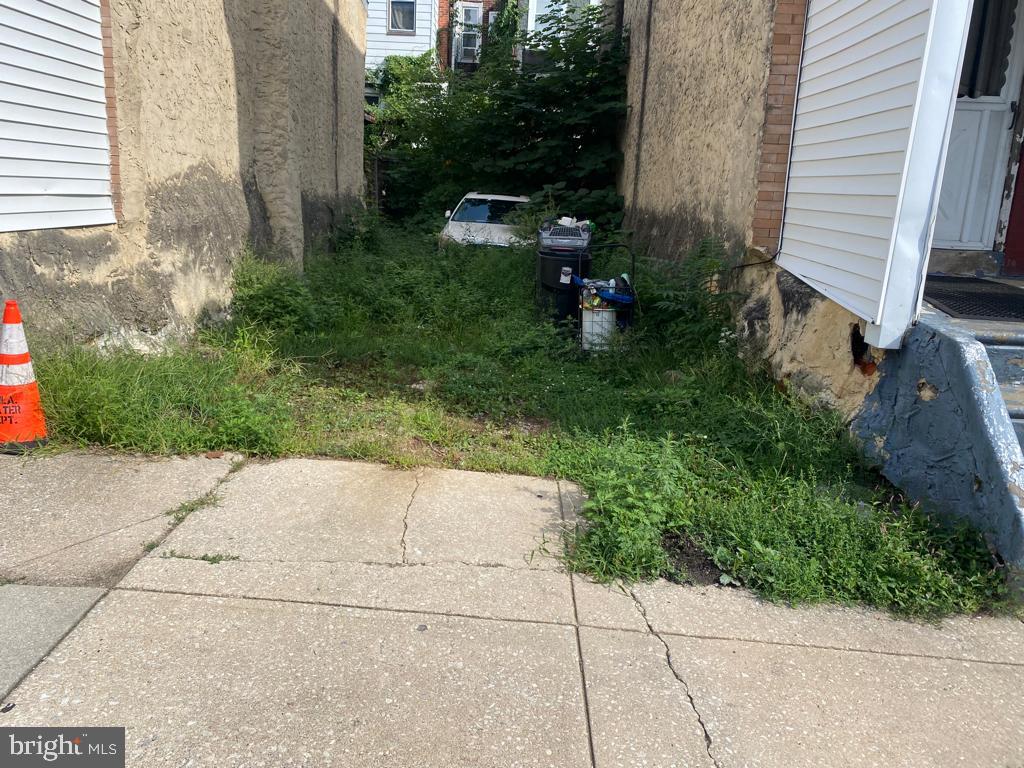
[394, 564]
[579, 652]
[346, 606]
[708, 743]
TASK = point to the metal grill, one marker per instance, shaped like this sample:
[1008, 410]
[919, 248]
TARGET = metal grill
[567, 232]
[972, 298]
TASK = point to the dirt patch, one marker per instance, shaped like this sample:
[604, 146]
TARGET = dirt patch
[690, 563]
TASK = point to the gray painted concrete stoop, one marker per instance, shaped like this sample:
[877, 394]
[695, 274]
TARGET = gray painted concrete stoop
[1004, 343]
[939, 427]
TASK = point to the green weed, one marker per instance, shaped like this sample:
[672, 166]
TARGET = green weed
[215, 394]
[211, 559]
[183, 510]
[394, 350]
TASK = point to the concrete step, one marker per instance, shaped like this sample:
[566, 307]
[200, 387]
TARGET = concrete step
[1018, 427]
[1007, 363]
[994, 333]
[1013, 396]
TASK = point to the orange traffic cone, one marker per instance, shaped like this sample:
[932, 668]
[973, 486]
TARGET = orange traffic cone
[22, 425]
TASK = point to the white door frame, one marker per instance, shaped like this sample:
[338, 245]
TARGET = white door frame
[1013, 162]
[997, 211]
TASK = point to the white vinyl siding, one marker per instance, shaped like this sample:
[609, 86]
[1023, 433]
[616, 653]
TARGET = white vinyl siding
[54, 146]
[877, 83]
[381, 43]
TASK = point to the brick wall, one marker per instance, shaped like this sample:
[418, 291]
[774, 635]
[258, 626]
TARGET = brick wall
[444, 37]
[787, 42]
[444, 54]
[108, 82]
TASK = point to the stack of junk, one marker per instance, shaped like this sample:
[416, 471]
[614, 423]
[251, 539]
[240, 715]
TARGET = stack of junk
[605, 305]
[564, 286]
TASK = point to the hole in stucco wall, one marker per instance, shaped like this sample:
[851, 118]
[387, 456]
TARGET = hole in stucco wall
[926, 392]
[861, 351]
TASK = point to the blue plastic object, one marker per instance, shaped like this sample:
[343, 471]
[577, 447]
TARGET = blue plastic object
[618, 298]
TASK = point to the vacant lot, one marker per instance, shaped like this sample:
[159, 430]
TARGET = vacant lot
[390, 350]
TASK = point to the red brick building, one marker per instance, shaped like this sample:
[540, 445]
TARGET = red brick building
[462, 30]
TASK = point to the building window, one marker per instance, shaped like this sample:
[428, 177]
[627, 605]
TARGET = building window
[471, 16]
[402, 16]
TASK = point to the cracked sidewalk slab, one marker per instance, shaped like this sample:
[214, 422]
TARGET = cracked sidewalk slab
[308, 510]
[405, 518]
[483, 519]
[353, 534]
[736, 614]
[303, 510]
[32, 621]
[718, 612]
[795, 707]
[639, 713]
[679, 679]
[82, 518]
[232, 683]
[608, 606]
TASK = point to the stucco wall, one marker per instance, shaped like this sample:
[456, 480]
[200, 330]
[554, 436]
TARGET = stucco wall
[706, 147]
[235, 126]
[804, 338]
[693, 136]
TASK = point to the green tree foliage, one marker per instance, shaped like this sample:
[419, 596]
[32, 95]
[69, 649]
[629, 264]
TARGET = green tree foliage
[546, 126]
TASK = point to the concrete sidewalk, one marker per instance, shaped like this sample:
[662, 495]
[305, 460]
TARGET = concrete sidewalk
[320, 613]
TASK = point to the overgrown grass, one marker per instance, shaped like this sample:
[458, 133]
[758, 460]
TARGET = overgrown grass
[392, 351]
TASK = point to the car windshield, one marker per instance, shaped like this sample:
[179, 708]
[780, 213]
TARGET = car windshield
[477, 210]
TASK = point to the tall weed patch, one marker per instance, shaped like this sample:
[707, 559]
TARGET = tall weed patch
[393, 349]
[230, 395]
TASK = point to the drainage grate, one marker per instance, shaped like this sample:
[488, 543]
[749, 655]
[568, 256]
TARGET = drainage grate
[972, 298]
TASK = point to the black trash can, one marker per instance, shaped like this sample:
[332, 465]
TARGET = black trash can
[563, 251]
[555, 289]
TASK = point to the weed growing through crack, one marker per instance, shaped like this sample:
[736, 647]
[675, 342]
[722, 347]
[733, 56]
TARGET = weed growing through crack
[183, 510]
[212, 559]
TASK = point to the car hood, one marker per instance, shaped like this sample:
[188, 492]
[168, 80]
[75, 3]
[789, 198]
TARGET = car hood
[470, 233]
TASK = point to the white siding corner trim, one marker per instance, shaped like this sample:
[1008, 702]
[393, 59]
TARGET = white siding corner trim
[874, 108]
[54, 146]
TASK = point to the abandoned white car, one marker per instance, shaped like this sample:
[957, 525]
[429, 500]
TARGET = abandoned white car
[481, 219]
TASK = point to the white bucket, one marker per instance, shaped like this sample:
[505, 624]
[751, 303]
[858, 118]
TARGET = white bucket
[597, 327]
